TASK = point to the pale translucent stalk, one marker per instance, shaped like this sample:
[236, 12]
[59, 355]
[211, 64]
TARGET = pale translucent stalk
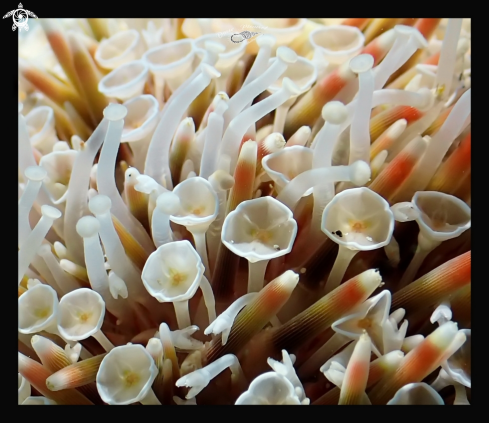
[209, 300]
[256, 275]
[448, 56]
[213, 136]
[115, 252]
[324, 144]
[103, 341]
[440, 143]
[64, 280]
[244, 96]
[97, 274]
[106, 182]
[425, 246]
[360, 124]
[160, 228]
[29, 250]
[26, 156]
[25, 205]
[281, 115]
[262, 58]
[296, 188]
[388, 65]
[200, 246]
[76, 201]
[343, 260]
[182, 313]
[214, 232]
[157, 160]
[238, 126]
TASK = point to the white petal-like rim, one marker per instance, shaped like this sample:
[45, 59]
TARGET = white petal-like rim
[303, 73]
[284, 165]
[41, 120]
[38, 309]
[376, 309]
[416, 394]
[175, 258]
[117, 49]
[363, 207]
[260, 229]
[170, 56]
[125, 375]
[198, 200]
[442, 216]
[142, 111]
[125, 80]
[269, 388]
[81, 314]
[231, 54]
[337, 40]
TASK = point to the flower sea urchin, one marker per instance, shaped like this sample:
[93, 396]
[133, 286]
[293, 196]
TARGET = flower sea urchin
[161, 156]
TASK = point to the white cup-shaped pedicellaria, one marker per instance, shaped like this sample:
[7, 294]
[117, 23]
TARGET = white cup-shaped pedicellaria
[269, 389]
[458, 366]
[41, 126]
[259, 229]
[126, 81]
[336, 43]
[416, 394]
[441, 216]
[303, 73]
[171, 62]
[81, 314]
[285, 164]
[119, 49]
[141, 118]
[199, 204]
[125, 375]
[58, 165]
[358, 219]
[173, 272]
[38, 309]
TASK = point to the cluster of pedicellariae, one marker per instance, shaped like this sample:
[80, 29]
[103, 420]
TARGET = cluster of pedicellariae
[275, 206]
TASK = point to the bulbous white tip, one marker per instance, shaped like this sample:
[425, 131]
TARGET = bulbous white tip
[35, 173]
[99, 204]
[210, 71]
[44, 249]
[115, 112]
[87, 226]
[50, 212]
[360, 172]
[361, 63]
[335, 112]
[266, 40]
[214, 47]
[131, 174]
[168, 203]
[287, 55]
